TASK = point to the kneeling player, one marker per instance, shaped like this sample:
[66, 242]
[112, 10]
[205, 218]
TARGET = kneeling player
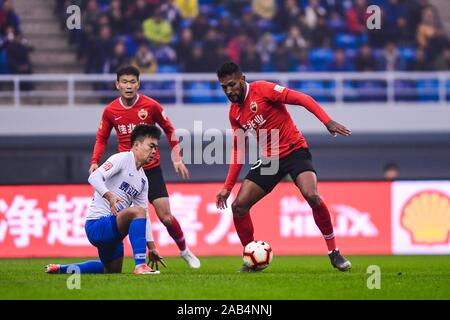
[119, 183]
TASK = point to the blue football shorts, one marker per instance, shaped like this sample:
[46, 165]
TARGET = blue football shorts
[104, 234]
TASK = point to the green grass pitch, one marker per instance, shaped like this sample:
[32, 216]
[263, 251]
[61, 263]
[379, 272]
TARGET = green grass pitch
[288, 277]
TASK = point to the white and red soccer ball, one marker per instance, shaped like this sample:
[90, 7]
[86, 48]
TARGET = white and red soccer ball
[257, 254]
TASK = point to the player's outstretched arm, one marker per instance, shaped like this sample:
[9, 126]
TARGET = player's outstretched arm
[336, 128]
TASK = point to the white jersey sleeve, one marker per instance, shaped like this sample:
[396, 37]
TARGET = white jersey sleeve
[111, 167]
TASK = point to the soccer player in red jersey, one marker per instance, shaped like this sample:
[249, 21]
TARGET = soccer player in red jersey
[259, 106]
[123, 114]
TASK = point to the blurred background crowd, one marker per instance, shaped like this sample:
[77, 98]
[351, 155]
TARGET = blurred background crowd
[261, 35]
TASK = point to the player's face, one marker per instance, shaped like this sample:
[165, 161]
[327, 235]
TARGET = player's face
[146, 150]
[234, 87]
[128, 86]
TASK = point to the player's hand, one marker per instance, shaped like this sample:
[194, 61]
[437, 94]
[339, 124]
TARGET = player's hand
[336, 128]
[113, 201]
[221, 198]
[92, 168]
[180, 168]
[154, 258]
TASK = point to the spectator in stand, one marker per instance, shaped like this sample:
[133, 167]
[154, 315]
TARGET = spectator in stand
[391, 60]
[116, 18]
[18, 59]
[144, 60]
[443, 61]
[420, 63]
[137, 14]
[197, 59]
[250, 59]
[184, 48]
[188, 8]
[295, 42]
[281, 58]
[8, 17]
[356, 18]
[287, 15]
[320, 33]
[313, 12]
[157, 29]
[266, 46]
[172, 13]
[265, 9]
[118, 59]
[340, 62]
[365, 60]
[99, 50]
[226, 26]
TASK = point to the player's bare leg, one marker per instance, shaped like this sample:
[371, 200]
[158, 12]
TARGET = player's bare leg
[249, 194]
[132, 221]
[114, 266]
[162, 208]
[307, 183]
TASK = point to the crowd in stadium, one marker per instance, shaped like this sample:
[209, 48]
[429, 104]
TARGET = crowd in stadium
[261, 35]
[283, 35]
[14, 50]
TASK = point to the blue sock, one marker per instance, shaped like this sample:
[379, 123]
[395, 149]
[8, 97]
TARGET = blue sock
[92, 266]
[137, 239]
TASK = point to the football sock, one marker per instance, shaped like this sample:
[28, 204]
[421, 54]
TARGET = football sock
[177, 234]
[137, 239]
[244, 228]
[92, 266]
[323, 221]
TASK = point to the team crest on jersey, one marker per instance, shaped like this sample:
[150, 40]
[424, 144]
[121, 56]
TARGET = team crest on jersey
[253, 106]
[142, 114]
[107, 165]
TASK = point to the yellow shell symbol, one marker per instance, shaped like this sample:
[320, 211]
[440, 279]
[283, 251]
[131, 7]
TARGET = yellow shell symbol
[427, 217]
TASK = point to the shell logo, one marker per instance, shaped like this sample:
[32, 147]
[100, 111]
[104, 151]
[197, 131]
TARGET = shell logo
[426, 216]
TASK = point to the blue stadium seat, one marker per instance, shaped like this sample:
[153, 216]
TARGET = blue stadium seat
[407, 53]
[320, 58]
[168, 68]
[345, 40]
[427, 90]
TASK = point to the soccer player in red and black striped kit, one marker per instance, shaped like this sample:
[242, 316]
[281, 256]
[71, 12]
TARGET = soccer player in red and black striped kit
[123, 114]
[261, 105]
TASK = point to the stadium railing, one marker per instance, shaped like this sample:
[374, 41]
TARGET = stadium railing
[70, 90]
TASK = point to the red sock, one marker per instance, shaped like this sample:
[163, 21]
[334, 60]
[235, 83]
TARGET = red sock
[177, 234]
[244, 228]
[323, 221]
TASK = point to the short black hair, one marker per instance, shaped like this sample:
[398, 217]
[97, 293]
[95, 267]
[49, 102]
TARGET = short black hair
[390, 166]
[142, 131]
[227, 69]
[128, 70]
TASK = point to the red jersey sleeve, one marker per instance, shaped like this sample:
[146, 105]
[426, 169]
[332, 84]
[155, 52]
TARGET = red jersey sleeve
[298, 98]
[101, 140]
[163, 121]
[237, 155]
[272, 91]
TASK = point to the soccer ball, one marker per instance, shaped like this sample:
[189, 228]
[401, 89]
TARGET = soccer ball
[257, 255]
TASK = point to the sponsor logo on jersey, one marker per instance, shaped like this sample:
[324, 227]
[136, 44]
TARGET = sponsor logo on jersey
[253, 106]
[278, 88]
[142, 114]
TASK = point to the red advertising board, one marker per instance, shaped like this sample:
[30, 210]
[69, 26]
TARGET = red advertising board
[43, 221]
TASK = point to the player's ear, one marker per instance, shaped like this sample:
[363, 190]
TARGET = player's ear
[243, 78]
[117, 85]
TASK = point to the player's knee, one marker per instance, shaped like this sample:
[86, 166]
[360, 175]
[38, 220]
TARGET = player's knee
[167, 219]
[313, 199]
[139, 212]
[239, 210]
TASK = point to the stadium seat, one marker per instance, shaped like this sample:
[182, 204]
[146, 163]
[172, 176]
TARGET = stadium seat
[427, 90]
[345, 40]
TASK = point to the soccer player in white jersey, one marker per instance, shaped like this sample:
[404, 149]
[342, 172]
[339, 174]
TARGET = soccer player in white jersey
[119, 183]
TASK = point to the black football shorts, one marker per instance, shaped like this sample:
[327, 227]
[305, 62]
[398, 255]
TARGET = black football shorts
[156, 184]
[266, 174]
